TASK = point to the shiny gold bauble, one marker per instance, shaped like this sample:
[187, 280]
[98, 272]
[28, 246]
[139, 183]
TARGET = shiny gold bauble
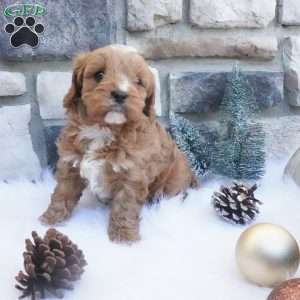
[267, 254]
[288, 290]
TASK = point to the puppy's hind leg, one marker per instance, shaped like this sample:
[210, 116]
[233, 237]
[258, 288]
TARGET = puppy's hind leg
[179, 177]
[66, 194]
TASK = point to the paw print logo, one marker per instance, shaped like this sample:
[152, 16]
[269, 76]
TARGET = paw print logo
[24, 32]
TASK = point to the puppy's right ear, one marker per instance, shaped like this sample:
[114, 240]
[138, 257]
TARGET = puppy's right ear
[73, 96]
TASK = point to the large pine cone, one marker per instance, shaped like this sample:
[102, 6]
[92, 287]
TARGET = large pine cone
[51, 264]
[237, 204]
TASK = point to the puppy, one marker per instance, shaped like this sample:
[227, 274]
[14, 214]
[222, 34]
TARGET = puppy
[112, 143]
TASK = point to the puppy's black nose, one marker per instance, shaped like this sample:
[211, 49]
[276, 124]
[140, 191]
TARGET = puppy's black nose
[119, 96]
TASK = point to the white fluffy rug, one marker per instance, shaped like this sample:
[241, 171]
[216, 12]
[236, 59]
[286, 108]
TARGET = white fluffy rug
[186, 251]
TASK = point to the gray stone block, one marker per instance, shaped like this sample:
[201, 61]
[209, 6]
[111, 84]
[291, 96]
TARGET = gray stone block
[231, 13]
[146, 15]
[70, 27]
[198, 92]
[291, 60]
[290, 12]
[18, 158]
[199, 45]
[51, 135]
[292, 169]
[51, 89]
[158, 104]
[282, 136]
[12, 84]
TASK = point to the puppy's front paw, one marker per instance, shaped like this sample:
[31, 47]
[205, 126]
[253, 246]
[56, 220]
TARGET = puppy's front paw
[52, 216]
[123, 235]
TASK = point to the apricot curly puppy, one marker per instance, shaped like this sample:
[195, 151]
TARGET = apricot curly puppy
[112, 143]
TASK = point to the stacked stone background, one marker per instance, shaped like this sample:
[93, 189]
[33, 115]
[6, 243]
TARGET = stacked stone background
[191, 45]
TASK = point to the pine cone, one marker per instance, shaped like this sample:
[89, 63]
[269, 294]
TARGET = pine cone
[236, 204]
[51, 264]
[288, 290]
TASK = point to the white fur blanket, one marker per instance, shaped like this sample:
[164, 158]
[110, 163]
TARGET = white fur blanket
[186, 252]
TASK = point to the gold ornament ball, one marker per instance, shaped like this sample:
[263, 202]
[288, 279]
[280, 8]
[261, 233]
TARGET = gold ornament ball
[267, 254]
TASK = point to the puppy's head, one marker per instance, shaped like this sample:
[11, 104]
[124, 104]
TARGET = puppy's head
[113, 85]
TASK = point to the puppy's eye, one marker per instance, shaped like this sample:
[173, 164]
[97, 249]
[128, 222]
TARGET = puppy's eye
[140, 82]
[99, 76]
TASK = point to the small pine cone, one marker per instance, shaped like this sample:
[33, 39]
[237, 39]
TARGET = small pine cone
[50, 264]
[237, 204]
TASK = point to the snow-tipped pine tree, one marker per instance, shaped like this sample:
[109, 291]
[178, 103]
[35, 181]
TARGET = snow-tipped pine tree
[240, 154]
[192, 142]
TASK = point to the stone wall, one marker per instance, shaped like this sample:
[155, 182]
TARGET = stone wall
[191, 45]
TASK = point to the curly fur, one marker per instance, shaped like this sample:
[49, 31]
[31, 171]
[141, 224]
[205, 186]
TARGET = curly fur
[118, 151]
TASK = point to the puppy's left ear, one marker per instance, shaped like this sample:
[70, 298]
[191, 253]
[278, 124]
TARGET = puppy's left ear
[72, 97]
[149, 110]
